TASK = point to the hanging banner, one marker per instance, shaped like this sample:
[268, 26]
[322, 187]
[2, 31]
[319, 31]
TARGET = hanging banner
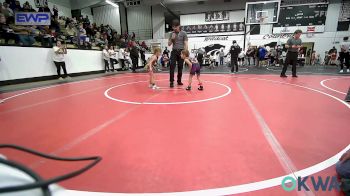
[217, 16]
[214, 28]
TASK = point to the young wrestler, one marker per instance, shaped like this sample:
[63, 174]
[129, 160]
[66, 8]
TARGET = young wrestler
[151, 66]
[195, 69]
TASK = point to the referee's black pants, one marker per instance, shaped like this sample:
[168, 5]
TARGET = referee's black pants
[291, 59]
[175, 59]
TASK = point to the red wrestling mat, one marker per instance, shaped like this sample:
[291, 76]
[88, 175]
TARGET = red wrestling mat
[171, 140]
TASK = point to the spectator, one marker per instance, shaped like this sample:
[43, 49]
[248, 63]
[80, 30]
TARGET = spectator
[273, 54]
[313, 57]
[126, 35]
[318, 59]
[86, 21]
[127, 58]
[279, 57]
[166, 51]
[55, 25]
[345, 55]
[62, 22]
[251, 55]
[58, 59]
[333, 56]
[200, 56]
[115, 39]
[112, 57]
[106, 57]
[31, 8]
[55, 11]
[71, 32]
[17, 7]
[5, 31]
[142, 54]
[241, 58]
[134, 55]
[133, 36]
[25, 35]
[6, 10]
[144, 45]
[121, 58]
[221, 55]
[45, 9]
[46, 38]
[89, 31]
[164, 60]
[82, 34]
[234, 51]
[26, 7]
[308, 57]
[262, 55]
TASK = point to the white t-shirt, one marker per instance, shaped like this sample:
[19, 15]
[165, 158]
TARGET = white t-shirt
[105, 54]
[57, 57]
[121, 53]
[112, 53]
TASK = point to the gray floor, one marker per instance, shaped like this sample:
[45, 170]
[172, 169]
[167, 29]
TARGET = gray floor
[305, 70]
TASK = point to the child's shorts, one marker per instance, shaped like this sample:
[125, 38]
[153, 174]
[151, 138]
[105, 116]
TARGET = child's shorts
[196, 69]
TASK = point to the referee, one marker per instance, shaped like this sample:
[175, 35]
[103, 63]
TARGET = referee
[293, 45]
[179, 40]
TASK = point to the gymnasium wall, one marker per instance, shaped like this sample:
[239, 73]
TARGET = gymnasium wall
[24, 62]
[158, 22]
[87, 12]
[140, 21]
[107, 15]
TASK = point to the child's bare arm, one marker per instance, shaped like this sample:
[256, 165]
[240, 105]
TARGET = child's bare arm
[151, 62]
[188, 62]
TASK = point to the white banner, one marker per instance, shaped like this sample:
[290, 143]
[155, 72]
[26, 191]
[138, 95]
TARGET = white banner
[305, 29]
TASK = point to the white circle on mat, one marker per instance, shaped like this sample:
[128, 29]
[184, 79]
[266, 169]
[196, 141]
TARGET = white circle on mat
[106, 93]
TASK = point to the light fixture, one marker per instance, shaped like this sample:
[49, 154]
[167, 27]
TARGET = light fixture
[111, 3]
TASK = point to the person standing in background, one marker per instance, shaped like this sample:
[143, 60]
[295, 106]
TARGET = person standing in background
[121, 58]
[179, 40]
[55, 11]
[58, 58]
[251, 54]
[112, 57]
[200, 56]
[142, 54]
[293, 45]
[308, 57]
[345, 55]
[279, 57]
[234, 51]
[134, 55]
[221, 55]
[106, 57]
[166, 51]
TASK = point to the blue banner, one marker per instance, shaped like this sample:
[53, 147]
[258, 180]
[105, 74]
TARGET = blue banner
[33, 18]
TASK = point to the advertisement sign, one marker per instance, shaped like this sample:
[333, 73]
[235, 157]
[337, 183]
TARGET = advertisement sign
[33, 18]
